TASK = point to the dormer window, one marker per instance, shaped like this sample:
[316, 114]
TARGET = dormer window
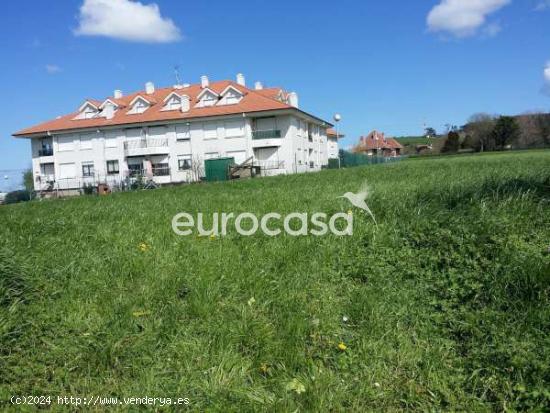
[207, 98]
[230, 96]
[138, 105]
[87, 111]
[172, 102]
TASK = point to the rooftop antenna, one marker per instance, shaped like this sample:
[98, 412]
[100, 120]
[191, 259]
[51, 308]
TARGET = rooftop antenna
[177, 74]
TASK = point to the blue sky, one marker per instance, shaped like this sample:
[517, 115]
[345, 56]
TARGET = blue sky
[390, 65]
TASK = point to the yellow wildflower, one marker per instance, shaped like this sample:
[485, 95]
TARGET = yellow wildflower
[264, 367]
[350, 212]
[342, 347]
[143, 247]
[212, 236]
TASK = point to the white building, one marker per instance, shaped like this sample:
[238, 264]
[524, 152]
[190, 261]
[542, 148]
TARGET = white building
[165, 135]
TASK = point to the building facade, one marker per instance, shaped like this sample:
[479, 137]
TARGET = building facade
[165, 136]
[332, 142]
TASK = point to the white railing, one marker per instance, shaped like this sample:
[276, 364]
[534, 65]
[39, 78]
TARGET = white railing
[265, 165]
[146, 143]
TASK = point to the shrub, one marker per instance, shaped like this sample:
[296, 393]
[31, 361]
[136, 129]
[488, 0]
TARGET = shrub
[18, 196]
[88, 189]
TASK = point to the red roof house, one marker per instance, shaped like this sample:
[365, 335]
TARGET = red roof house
[376, 143]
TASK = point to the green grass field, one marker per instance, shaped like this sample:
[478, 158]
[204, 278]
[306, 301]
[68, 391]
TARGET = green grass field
[447, 300]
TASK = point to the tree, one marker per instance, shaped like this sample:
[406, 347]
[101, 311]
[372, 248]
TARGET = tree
[505, 132]
[28, 180]
[479, 132]
[430, 132]
[542, 121]
[452, 143]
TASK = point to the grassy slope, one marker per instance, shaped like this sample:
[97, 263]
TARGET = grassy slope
[447, 299]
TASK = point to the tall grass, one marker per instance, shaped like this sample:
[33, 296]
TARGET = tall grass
[446, 301]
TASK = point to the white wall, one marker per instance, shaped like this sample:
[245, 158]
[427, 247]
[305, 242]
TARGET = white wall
[224, 137]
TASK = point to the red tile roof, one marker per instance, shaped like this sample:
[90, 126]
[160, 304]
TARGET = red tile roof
[332, 133]
[376, 140]
[252, 101]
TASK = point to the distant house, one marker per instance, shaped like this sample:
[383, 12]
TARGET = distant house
[2, 197]
[377, 144]
[332, 142]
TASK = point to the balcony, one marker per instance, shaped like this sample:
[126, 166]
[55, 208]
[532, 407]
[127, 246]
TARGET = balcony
[161, 171]
[266, 138]
[45, 152]
[268, 165]
[266, 134]
[150, 146]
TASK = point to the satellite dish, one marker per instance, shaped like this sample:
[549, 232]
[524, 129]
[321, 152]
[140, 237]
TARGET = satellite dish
[337, 117]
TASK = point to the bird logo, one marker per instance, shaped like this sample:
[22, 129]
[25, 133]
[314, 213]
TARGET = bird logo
[359, 200]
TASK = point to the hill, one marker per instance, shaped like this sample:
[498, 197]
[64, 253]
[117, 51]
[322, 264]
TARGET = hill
[444, 305]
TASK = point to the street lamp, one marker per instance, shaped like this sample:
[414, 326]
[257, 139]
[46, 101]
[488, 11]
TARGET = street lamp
[337, 118]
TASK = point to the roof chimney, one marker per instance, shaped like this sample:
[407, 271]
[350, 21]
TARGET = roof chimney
[293, 99]
[240, 79]
[185, 103]
[204, 81]
[258, 86]
[117, 94]
[149, 88]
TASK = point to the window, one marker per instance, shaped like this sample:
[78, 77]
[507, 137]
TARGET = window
[47, 169]
[173, 103]
[209, 99]
[46, 148]
[67, 170]
[183, 132]
[184, 162]
[161, 169]
[234, 128]
[135, 169]
[211, 155]
[239, 156]
[112, 167]
[87, 169]
[86, 141]
[262, 124]
[210, 131]
[89, 113]
[231, 97]
[139, 106]
[65, 143]
[111, 140]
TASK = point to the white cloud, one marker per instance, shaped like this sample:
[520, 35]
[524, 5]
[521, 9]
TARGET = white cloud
[462, 18]
[126, 20]
[546, 86]
[543, 5]
[52, 69]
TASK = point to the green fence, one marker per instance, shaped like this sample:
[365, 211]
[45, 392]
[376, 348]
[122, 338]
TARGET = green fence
[348, 159]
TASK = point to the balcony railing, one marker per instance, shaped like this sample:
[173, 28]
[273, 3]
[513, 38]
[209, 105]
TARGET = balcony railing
[146, 143]
[45, 152]
[161, 171]
[265, 165]
[266, 134]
